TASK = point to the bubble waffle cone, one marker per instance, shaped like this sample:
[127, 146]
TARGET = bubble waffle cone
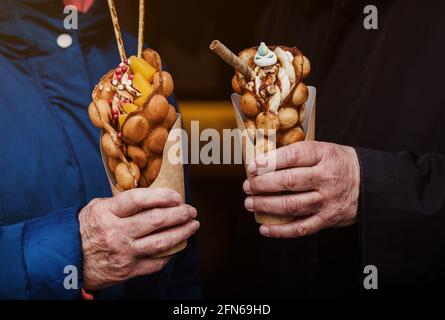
[248, 147]
[273, 107]
[141, 138]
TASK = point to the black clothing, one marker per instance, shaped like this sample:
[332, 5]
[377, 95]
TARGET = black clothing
[381, 92]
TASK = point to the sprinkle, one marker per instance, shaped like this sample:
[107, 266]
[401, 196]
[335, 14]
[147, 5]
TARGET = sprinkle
[129, 82]
[119, 77]
[120, 87]
[124, 69]
[114, 82]
[131, 76]
[121, 64]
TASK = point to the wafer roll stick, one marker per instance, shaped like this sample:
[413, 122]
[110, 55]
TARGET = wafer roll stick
[230, 58]
[141, 27]
[117, 30]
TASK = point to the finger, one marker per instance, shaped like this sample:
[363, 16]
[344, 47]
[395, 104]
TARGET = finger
[146, 222]
[298, 204]
[294, 179]
[149, 266]
[132, 201]
[160, 242]
[299, 228]
[300, 154]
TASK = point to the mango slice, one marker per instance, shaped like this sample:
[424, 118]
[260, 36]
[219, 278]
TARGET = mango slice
[122, 118]
[139, 65]
[144, 87]
[130, 107]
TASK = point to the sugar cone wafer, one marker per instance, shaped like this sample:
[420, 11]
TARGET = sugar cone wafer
[230, 58]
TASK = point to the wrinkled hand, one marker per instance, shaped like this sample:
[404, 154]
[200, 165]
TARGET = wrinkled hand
[320, 182]
[120, 234]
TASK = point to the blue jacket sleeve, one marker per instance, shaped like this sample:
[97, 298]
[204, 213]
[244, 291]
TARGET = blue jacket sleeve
[40, 257]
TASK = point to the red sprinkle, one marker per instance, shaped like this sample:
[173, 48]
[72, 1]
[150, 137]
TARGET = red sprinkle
[124, 69]
[130, 76]
[117, 71]
[126, 61]
[119, 77]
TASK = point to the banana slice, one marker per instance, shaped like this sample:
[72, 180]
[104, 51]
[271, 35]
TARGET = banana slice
[287, 65]
[284, 84]
[274, 102]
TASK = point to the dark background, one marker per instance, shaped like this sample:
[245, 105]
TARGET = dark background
[181, 31]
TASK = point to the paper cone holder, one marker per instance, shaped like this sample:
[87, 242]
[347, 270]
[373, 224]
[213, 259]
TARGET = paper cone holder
[171, 175]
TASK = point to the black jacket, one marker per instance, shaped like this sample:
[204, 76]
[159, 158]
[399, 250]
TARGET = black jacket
[382, 92]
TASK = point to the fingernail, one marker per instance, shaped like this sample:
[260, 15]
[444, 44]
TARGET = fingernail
[265, 231]
[196, 225]
[246, 187]
[248, 203]
[252, 168]
[193, 212]
[177, 197]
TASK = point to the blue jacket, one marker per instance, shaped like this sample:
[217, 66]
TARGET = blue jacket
[49, 160]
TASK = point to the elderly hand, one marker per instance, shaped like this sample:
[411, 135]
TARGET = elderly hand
[120, 234]
[316, 182]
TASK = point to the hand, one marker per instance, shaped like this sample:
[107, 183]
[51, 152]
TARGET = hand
[321, 184]
[119, 234]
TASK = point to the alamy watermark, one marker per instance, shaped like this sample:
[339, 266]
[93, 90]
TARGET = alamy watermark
[371, 21]
[371, 279]
[71, 20]
[71, 281]
[233, 146]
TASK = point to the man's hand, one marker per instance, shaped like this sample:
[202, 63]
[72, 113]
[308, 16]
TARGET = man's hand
[120, 234]
[317, 183]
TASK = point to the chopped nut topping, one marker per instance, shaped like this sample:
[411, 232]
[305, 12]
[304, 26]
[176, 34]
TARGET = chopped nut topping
[265, 85]
[271, 89]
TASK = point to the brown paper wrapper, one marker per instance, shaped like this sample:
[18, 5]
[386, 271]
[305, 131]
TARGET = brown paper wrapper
[171, 175]
[247, 145]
